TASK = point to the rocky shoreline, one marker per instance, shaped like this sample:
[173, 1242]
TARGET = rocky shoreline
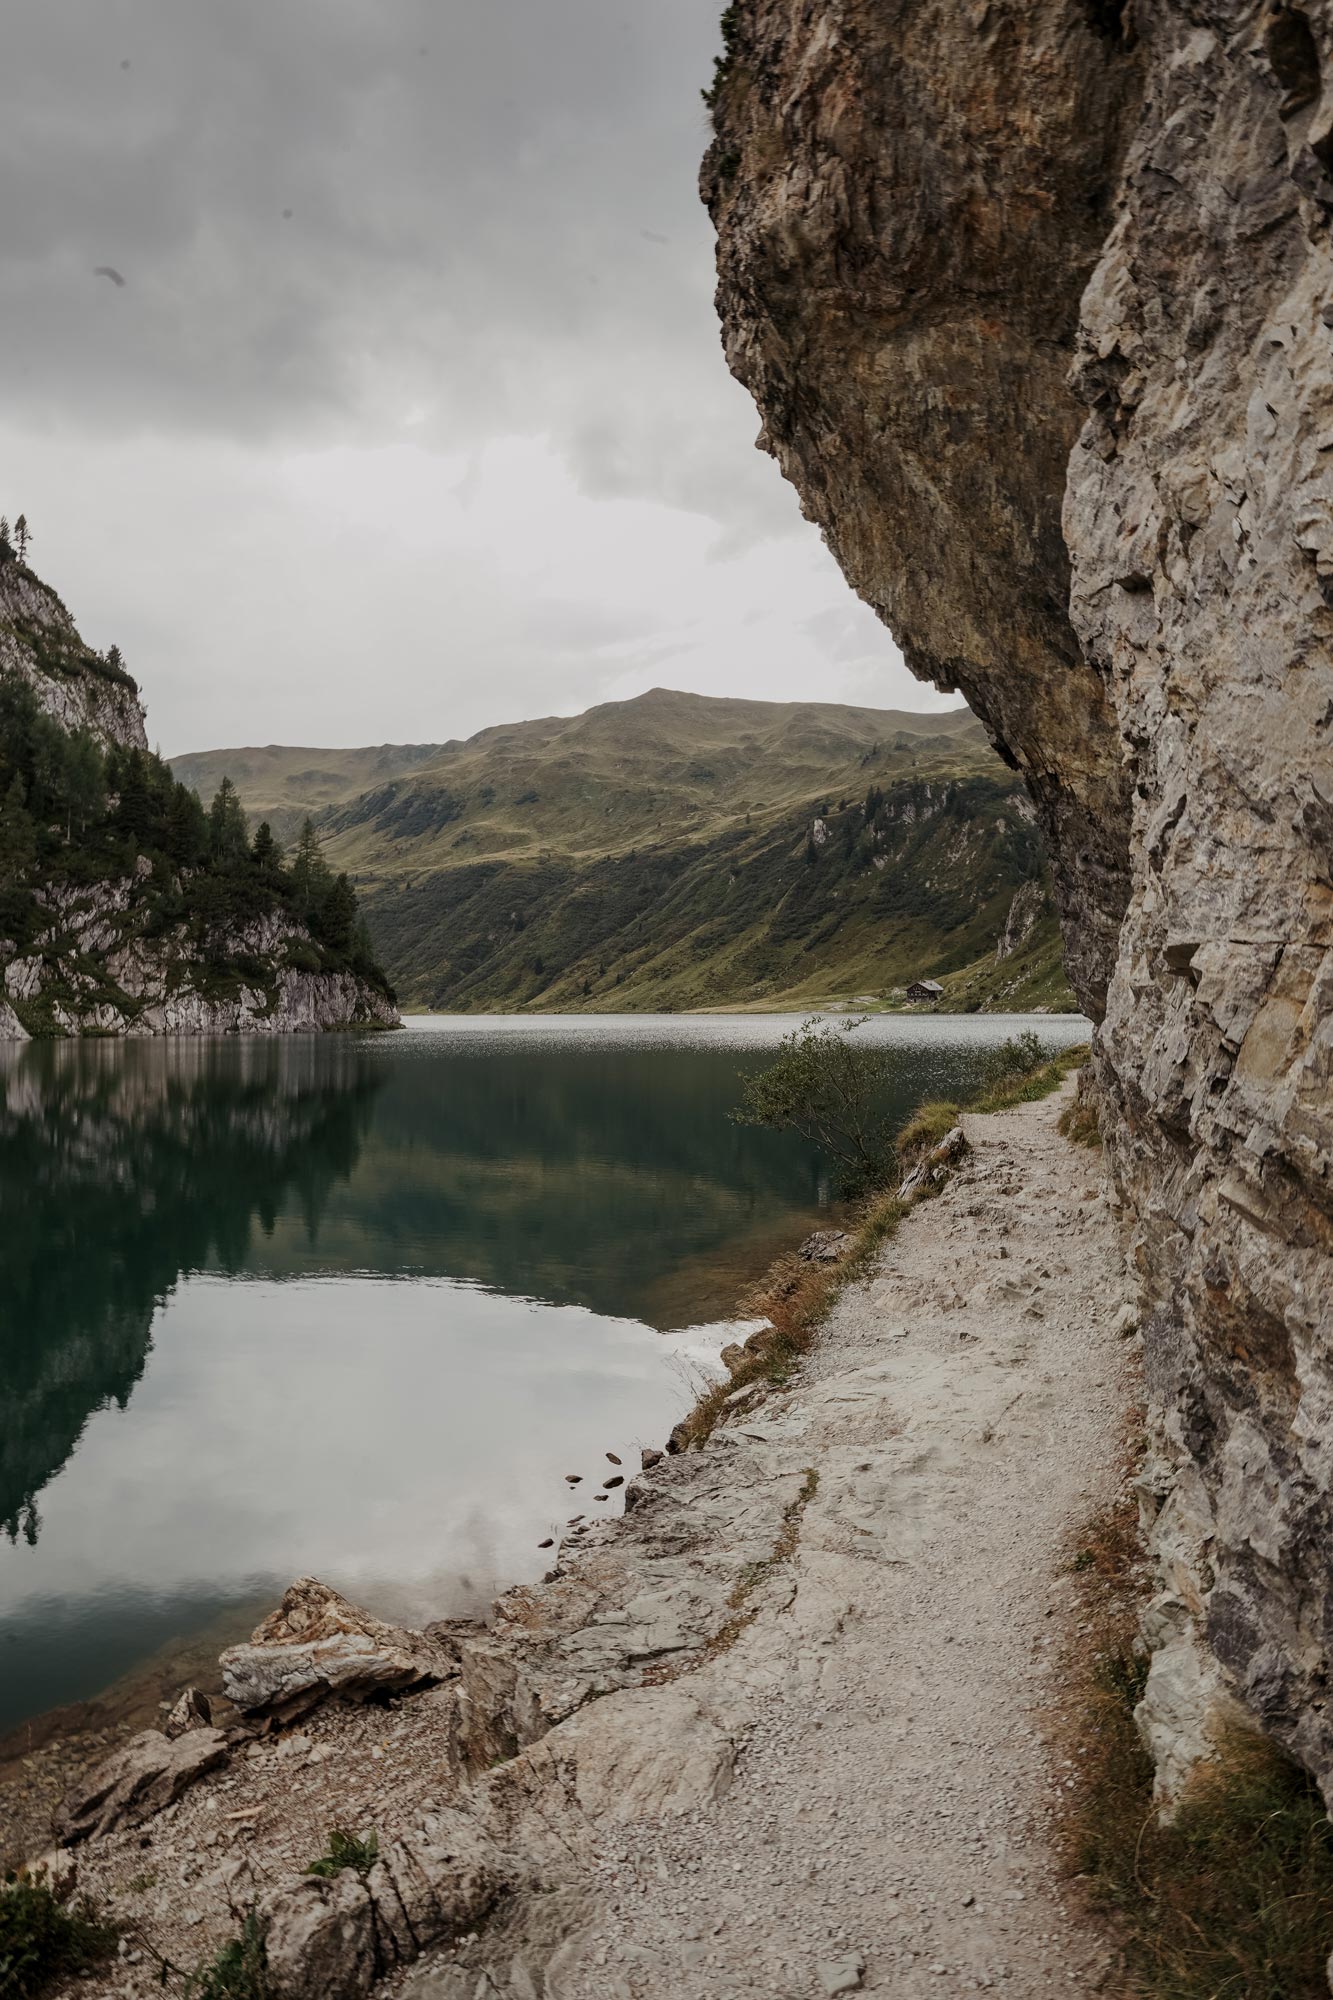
[841, 1604]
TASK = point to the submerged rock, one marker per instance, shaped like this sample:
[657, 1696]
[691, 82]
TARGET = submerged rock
[318, 1644]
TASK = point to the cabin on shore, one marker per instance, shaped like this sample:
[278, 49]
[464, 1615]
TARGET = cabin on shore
[925, 989]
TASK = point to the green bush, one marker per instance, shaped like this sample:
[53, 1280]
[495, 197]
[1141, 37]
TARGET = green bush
[828, 1087]
[239, 1971]
[347, 1850]
[43, 1939]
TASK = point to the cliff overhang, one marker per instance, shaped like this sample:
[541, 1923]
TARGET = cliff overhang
[1033, 302]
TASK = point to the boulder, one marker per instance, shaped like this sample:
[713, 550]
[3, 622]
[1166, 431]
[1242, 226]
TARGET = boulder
[136, 1781]
[318, 1644]
[826, 1246]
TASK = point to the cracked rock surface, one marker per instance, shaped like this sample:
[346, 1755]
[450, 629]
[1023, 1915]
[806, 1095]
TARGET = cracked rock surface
[1034, 300]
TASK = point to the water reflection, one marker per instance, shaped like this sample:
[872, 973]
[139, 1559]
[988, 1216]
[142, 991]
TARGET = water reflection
[121, 1167]
[353, 1306]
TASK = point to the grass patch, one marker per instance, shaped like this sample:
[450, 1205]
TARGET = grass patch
[925, 1128]
[43, 1939]
[1234, 1899]
[239, 1971]
[1022, 1073]
[347, 1850]
[1079, 1121]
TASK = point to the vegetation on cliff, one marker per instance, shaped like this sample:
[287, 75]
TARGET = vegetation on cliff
[108, 864]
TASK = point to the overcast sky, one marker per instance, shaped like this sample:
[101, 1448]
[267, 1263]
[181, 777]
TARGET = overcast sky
[410, 413]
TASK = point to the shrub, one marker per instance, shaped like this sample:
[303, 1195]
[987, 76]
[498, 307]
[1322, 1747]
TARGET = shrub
[239, 1971]
[43, 1939]
[827, 1087]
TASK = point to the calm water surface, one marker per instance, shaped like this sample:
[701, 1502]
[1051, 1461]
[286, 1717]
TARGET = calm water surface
[353, 1306]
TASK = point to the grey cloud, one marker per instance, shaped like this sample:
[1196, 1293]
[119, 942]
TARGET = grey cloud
[336, 219]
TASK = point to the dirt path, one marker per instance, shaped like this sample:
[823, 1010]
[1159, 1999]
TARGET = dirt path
[887, 1799]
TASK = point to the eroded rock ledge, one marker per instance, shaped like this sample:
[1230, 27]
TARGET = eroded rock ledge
[1033, 299]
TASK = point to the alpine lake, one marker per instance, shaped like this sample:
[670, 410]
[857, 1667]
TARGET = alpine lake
[353, 1306]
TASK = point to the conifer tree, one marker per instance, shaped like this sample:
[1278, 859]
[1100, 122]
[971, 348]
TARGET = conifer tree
[337, 918]
[18, 836]
[228, 839]
[4, 531]
[312, 878]
[22, 536]
[265, 853]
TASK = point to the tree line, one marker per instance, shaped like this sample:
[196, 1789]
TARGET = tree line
[75, 812]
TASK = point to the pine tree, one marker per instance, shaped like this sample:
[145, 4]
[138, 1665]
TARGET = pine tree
[18, 835]
[312, 878]
[22, 536]
[228, 839]
[85, 782]
[186, 829]
[337, 918]
[4, 533]
[266, 854]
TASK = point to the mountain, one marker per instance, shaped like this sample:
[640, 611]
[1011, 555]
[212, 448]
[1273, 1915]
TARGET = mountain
[124, 907]
[681, 851]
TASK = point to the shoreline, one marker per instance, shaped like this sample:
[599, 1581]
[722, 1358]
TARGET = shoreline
[613, 1669]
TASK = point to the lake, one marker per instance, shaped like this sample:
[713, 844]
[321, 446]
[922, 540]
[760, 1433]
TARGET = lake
[353, 1306]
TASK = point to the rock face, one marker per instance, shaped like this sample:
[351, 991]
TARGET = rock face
[317, 1644]
[100, 970]
[147, 1773]
[40, 643]
[1033, 301]
[100, 957]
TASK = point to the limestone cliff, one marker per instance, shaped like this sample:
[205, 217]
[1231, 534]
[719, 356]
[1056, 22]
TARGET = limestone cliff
[40, 645]
[1032, 298]
[123, 910]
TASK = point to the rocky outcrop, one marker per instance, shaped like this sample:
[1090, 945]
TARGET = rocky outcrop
[1024, 912]
[315, 1645]
[1033, 301]
[146, 1774]
[94, 950]
[40, 643]
[103, 968]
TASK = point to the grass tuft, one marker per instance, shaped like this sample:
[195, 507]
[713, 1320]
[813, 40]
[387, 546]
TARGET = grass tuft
[43, 1939]
[1233, 1900]
[923, 1131]
[346, 1850]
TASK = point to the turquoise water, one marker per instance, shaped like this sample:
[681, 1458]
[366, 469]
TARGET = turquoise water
[353, 1306]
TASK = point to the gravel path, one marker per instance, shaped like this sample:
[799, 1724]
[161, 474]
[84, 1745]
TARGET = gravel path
[885, 1822]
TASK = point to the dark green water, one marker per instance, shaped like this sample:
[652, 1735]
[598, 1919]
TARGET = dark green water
[353, 1307]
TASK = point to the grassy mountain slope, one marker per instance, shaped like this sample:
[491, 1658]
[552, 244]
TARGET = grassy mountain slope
[682, 851]
[286, 786]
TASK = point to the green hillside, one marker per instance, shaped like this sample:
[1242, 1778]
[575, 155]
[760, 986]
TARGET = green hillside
[678, 851]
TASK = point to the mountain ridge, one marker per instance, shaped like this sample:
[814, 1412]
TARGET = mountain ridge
[679, 850]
